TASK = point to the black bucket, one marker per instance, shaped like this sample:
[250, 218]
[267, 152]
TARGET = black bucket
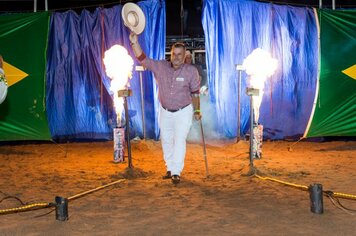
[316, 198]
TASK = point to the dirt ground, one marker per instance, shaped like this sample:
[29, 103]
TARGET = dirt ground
[226, 203]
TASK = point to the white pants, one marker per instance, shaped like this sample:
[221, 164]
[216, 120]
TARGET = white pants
[174, 128]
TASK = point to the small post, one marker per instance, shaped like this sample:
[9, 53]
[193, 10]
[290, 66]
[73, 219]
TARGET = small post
[316, 198]
[252, 92]
[140, 69]
[34, 5]
[251, 130]
[240, 69]
[61, 208]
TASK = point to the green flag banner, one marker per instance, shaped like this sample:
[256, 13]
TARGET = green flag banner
[23, 41]
[335, 106]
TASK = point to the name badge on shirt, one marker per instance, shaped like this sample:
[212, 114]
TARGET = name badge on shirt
[180, 79]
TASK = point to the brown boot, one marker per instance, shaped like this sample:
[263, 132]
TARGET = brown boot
[175, 179]
[167, 176]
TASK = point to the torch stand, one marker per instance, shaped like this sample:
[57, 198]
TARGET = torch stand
[239, 68]
[252, 92]
[124, 94]
[140, 69]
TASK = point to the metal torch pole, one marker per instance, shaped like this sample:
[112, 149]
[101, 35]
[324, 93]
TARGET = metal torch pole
[128, 132]
[251, 131]
[140, 69]
[239, 109]
[240, 69]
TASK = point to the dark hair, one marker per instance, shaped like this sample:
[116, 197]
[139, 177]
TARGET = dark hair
[178, 45]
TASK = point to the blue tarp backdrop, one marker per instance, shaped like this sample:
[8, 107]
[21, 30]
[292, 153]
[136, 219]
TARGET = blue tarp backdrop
[233, 29]
[78, 95]
[79, 101]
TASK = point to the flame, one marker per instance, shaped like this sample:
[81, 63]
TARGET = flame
[118, 67]
[259, 66]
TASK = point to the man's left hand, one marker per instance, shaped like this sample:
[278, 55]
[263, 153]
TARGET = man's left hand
[197, 116]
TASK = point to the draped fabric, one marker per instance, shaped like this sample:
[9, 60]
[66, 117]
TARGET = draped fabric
[77, 86]
[23, 41]
[79, 104]
[335, 110]
[233, 29]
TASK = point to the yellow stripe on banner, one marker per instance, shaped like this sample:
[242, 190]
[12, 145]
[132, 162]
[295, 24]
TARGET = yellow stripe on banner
[351, 72]
[13, 74]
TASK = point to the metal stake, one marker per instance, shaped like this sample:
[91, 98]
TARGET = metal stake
[239, 109]
[128, 132]
[251, 131]
[240, 69]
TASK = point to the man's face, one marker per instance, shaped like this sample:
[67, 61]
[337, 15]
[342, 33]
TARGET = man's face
[188, 59]
[177, 57]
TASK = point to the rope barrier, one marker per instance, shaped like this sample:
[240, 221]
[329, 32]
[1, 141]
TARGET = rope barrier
[45, 205]
[26, 207]
[344, 195]
[283, 182]
[334, 194]
[95, 189]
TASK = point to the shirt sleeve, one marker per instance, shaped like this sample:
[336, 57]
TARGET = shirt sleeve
[195, 81]
[145, 61]
[152, 65]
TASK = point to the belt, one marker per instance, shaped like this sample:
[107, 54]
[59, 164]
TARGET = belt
[171, 110]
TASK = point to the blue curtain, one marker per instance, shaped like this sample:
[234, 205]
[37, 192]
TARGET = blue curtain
[77, 87]
[233, 29]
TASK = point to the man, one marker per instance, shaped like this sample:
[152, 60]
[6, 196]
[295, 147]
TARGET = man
[202, 75]
[189, 60]
[188, 57]
[178, 94]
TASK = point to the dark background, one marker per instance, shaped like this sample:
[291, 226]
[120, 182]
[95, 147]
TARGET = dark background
[187, 26]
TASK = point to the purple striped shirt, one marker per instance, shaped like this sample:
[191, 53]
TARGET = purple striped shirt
[174, 86]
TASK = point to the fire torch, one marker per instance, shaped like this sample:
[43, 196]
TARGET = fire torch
[259, 66]
[118, 65]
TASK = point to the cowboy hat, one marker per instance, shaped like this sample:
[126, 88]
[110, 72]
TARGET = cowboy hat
[133, 17]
